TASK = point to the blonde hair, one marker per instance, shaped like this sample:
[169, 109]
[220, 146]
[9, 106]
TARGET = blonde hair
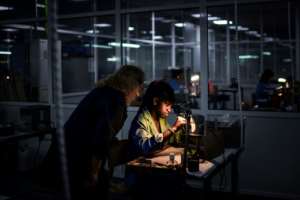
[127, 78]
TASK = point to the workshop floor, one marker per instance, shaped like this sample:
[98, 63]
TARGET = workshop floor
[21, 187]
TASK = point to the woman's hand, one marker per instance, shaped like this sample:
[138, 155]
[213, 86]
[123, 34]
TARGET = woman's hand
[180, 121]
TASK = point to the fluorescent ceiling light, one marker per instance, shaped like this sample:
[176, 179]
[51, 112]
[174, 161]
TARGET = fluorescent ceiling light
[267, 53]
[130, 28]
[256, 34]
[92, 31]
[98, 46]
[3, 8]
[20, 26]
[24, 26]
[212, 18]
[252, 32]
[112, 59]
[116, 44]
[159, 18]
[39, 28]
[247, 57]
[239, 28]
[168, 20]
[268, 39]
[158, 37]
[102, 25]
[8, 40]
[287, 60]
[173, 67]
[180, 25]
[281, 80]
[221, 22]
[196, 15]
[5, 52]
[9, 30]
[40, 5]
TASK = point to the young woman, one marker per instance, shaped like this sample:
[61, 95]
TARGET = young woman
[150, 130]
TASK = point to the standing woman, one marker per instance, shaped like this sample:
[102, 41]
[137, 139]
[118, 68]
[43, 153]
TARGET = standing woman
[90, 131]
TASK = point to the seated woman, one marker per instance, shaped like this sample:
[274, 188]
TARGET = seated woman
[150, 130]
[265, 90]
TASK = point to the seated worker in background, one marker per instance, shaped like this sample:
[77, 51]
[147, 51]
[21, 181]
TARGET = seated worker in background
[150, 130]
[177, 80]
[90, 132]
[265, 90]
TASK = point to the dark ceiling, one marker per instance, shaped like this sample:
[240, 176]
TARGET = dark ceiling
[269, 18]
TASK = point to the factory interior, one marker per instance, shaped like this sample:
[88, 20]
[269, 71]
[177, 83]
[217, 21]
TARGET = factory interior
[215, 54]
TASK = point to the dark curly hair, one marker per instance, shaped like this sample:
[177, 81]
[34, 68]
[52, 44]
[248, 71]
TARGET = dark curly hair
[158, 89]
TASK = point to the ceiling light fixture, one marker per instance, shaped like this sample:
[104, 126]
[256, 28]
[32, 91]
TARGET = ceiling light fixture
[130, 28]
[179, 25]
[129, 45]
[5, 52]
[221, 22]
[112, 59]
[4, 8]
[212, 18]
[247, 57]
[98, 46]
[102, 25]
[239, 28]
[267, 53]
[9, 30]
[92, 31]
[157, 37]
[40, 5]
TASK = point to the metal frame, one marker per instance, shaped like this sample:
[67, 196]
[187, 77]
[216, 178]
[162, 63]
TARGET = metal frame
[202, 5]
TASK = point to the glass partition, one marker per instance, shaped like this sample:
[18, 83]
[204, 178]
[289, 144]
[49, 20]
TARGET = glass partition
[20, 46]
[152, 3]
[165, 43]
[222, 78]
[167, 46]
[83, 6]
[76, 54]
[73, 6]
[104, 46]
[15, 10]
[241, 53]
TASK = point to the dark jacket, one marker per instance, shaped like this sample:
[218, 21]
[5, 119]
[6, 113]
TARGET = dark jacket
[89, 132]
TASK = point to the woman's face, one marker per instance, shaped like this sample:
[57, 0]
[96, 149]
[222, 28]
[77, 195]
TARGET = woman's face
[164, 109]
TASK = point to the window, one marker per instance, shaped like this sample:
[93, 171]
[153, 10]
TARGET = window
[22, 74]
[263, 38]
[166, 45]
